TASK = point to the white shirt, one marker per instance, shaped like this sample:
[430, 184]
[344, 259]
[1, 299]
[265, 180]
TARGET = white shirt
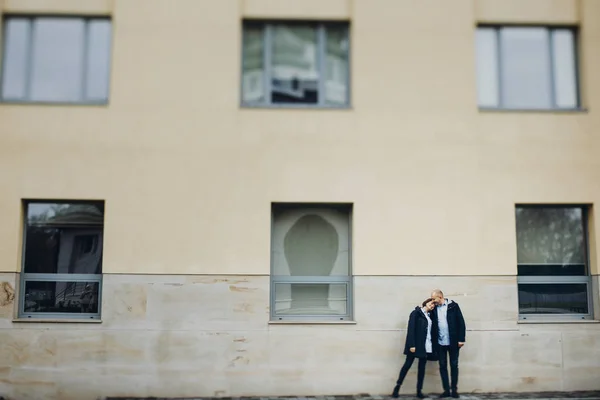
[444, 334]
[428, 347]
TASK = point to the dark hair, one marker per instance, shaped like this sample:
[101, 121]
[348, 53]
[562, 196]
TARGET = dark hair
[426, 301]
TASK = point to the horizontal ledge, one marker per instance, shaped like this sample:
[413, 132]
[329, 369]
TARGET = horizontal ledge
[293, 107]
[313, 322]
[52, 103]
[558, 321]
[311, 279]
[267, 275]
[58, 320]
[535, 110]
[545, 279]
[62, 277]
[90, 8]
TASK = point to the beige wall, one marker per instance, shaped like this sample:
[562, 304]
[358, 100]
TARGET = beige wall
[188, 175]
[188, 178]
[530, 12]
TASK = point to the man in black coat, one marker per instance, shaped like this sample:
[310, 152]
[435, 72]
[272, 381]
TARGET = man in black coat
[451, 329]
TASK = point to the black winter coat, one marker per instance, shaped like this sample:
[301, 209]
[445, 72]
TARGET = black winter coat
[416, 334]
[456, 324]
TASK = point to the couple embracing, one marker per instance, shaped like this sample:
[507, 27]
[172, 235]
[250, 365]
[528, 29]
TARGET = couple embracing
[436, 331]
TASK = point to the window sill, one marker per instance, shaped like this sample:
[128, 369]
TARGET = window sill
[534, 110]
[558, 321]
[313, 322]
[294, 107]
[58, 320]
[99, 104]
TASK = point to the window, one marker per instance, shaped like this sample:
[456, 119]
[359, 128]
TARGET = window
[527, 68]
[62, 260]
[56, 60]
[311, 277]
[295, 64]
[553, 273]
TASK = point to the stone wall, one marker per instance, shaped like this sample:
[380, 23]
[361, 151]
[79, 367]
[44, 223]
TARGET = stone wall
[184, 335]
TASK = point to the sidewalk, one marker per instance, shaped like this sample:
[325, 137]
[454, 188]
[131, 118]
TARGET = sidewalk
[595, 395]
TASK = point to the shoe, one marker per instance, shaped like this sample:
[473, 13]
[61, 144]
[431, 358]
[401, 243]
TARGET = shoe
[455, 394]
[420, 395]
[444, 395]
[395, 392]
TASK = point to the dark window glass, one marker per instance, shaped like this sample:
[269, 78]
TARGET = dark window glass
[553, 298]
[551, 270]
[61, 297]
[64, 238]
[552, 260]
[551, 239]
[62, 263]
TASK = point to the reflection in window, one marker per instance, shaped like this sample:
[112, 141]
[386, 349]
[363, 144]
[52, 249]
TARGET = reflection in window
[311, 246]
[311, 299]
[295, 76]
[337, 66]
[61, 297]
[56, 59]
[253, 68]
[526, 68]
[62, 263]
[311, 261]
[553, 276]
[551, 239]
[295, 64]
[563, 298]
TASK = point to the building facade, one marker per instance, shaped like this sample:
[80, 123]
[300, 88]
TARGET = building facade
[248, 197]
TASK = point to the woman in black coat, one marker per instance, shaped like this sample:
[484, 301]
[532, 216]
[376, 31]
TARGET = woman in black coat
[419, 344]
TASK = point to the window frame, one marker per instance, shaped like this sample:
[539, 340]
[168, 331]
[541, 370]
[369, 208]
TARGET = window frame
[348, 280]
[549, 29]
[267, 26]
[557, 279]
[30, 42]
[64, 277]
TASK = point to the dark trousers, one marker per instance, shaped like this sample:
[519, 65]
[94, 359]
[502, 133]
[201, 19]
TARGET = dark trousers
[453, 352]
[420, 373]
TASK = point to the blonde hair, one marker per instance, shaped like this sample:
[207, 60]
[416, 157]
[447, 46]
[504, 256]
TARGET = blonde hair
[437, 292]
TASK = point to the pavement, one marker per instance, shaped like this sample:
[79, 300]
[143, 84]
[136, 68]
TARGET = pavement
[595, 395]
